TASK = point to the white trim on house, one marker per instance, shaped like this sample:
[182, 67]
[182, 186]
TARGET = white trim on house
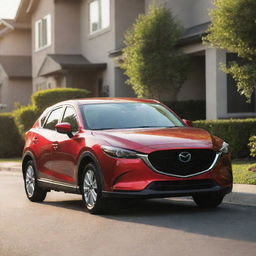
[99, 24]
[43, 33]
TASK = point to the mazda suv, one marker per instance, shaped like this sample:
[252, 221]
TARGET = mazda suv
[106, 148]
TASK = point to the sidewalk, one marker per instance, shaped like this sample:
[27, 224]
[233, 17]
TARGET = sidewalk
[242, 194]
[10, 166]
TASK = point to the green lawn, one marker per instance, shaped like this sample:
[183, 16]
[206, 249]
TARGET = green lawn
[10, 160]
[241, 173]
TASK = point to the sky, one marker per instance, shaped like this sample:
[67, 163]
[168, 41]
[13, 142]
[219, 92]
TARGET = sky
[8, 8]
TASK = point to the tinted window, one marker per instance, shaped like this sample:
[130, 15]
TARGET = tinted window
[70, 117]
[53, 119]
[128, 115]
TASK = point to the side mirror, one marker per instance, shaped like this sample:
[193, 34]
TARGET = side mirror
[64, 128]
[187, 122]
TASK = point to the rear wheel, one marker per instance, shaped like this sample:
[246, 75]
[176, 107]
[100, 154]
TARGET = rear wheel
[212, 200]
[33, 191]
[92, 190]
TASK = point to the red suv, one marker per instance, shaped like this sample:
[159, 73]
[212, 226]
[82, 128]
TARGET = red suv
[127, 148]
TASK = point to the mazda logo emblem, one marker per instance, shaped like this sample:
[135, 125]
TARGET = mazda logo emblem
[185, 157]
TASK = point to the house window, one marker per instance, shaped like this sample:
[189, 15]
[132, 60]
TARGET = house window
[99, 15]
[43, 33]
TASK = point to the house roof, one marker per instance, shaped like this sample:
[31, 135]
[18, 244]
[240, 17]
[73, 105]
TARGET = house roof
[194, 34]
[55, 63]
[190, 36]
[24, 10]
[17, 66]
[8, 25]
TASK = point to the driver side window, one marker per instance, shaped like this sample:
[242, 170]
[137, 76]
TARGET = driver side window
[70, 117]
[53, 119]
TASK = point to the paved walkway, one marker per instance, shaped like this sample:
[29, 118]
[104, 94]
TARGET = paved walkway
[242, 194]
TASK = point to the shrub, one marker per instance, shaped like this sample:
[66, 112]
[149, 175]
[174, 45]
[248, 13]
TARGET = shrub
[236, 132]
[43, 99]
[25, 117]
[191, 110]
[155, 66]
[252, 146]
[11, 143]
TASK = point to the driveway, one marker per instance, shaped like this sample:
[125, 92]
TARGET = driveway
[61, 226]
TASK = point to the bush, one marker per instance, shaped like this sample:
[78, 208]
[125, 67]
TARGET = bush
[11, 143]
[43, 99]
[26, 116]
[236, 132]
[191, 109]
[252, 146]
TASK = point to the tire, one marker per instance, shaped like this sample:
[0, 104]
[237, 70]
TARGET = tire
[212, 200]
[33, 191]
[91, 189]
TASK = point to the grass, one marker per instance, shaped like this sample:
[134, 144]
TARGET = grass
[2, 160]
[241, 173]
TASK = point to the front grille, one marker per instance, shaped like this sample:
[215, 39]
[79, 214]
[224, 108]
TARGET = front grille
[169, 161]
[182, 185]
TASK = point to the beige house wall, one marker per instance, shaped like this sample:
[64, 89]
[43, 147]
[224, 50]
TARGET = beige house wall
[67, 27]
[126, 12]
[14, 91]
[16, 43]
[189, 12]
[44, 8]
[96, 47]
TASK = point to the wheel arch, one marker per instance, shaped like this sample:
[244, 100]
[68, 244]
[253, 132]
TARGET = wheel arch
[28, 156]
[84, 159]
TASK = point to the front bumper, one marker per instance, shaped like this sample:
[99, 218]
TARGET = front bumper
[152, 192]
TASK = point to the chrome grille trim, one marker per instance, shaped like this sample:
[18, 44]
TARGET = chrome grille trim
[148, 163]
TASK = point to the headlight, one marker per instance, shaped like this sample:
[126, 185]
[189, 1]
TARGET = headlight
[119, 152]
[224, 148]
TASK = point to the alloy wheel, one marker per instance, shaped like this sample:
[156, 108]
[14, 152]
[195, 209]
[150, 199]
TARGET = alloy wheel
[30, 181]
[90, 188]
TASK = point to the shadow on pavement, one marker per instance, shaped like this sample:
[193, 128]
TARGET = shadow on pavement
[228, 221]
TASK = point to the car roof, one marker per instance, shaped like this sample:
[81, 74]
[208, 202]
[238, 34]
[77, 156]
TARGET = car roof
[105, 100]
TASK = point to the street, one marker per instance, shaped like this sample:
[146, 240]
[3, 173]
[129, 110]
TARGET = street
[61, 226]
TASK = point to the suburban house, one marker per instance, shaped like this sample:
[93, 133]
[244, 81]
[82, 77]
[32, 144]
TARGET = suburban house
[77, 43]
[15, 64]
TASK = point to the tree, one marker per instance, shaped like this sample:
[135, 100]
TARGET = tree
[233, 29]
[151, 59]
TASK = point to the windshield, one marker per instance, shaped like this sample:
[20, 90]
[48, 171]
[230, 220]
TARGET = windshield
[104, 116]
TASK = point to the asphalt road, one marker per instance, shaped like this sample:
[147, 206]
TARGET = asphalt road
[61, 226]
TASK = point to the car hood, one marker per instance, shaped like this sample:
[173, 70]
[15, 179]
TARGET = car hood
[148, 140]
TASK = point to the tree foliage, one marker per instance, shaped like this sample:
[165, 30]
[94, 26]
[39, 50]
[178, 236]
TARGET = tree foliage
[151, 58]
[233, 29]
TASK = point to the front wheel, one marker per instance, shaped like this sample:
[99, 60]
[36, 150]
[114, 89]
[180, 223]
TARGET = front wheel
[33, 191]
[92, 190]
[212, 200]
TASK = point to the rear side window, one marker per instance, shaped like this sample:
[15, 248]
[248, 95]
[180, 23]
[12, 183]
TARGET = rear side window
[53, 119]
[70, 117]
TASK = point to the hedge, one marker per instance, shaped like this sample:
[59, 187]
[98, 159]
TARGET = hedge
[43, 99]
[11, 142]
[191, 110]
[26, 116]
[236, 132]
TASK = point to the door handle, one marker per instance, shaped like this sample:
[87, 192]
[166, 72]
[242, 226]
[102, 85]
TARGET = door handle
[35, 140]
[55, 145]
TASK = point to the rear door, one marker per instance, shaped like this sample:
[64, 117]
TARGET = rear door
[67, 150]
[45, 139]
